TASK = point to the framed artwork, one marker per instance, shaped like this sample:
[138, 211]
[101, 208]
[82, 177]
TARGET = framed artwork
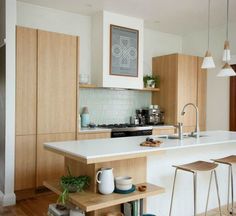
[123, 51]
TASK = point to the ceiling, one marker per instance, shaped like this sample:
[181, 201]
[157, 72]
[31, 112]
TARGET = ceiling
[171, 16]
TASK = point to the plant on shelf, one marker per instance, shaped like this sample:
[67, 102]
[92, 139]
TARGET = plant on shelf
[71, 184]
[151, 81]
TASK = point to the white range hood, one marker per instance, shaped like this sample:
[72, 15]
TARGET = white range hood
[100, 74]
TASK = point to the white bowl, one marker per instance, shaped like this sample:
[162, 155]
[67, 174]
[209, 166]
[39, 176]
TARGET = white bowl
[123, 182]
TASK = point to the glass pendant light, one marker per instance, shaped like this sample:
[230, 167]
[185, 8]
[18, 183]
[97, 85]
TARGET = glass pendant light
[208, 61]
[226, 70]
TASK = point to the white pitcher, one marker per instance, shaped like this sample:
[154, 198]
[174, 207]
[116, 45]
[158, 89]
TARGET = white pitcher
[105, 180]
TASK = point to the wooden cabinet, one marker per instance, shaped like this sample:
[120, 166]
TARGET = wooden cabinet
[50, 165]
[25, 160]
[26, 88]
[46, 102]
[181, 81]
[163, 131]
[26, 79]
[57, 81]
[95, 135]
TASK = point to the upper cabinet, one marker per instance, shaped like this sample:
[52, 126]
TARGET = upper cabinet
[182, 81]
[26, 81]
[57, 81]
[127, 46]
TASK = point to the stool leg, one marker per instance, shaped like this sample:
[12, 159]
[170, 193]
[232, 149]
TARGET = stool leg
[229, 184]
[232, 189]
[173, 190]
[208, 194]
[195, 193]
[217, 190]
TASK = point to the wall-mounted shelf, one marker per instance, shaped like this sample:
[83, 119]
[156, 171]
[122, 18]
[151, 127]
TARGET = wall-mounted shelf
[92, 86]
[89, 201]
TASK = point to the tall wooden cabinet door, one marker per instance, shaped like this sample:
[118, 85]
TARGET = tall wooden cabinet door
[201, 94]
[25, 159]
[50, 165]
[166, 67]
[57, 81]
[26, 80]
[187, 88]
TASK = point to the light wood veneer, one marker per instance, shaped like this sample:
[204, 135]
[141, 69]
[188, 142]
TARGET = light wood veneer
[26, 81]
[89, 201]
[57, 80]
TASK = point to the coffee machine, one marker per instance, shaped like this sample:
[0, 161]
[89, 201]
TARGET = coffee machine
[153, 116]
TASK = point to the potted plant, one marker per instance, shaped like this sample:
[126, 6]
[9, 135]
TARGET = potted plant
[151, 81]
[71, 184]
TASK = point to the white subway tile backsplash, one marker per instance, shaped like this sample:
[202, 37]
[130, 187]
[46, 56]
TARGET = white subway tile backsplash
[107, 106]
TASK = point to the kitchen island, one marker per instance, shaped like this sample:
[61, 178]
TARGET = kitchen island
[152, 164]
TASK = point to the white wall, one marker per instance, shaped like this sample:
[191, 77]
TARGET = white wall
[217, 87]
[59, 21]
[103, 20]
[7, 193]
[159, 43]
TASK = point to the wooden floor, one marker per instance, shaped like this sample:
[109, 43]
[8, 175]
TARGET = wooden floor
[38, 207]
[31, 207]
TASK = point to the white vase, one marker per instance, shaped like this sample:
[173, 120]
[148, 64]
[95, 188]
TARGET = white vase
[105, 180]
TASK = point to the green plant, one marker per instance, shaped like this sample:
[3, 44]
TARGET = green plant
[62, 199]
[156, 79]
[71, 184]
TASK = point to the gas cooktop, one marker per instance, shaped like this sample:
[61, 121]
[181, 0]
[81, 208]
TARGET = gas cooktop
[125, 127]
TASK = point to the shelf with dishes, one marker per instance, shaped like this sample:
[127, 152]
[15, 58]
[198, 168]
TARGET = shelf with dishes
[89, 201]
[92, 86]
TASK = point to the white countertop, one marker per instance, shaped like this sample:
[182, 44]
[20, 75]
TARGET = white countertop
[97, 150]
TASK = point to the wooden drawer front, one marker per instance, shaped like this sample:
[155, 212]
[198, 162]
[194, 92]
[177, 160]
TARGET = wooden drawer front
[50, 165]
[25, 158]
[163, 131]
[87, 136]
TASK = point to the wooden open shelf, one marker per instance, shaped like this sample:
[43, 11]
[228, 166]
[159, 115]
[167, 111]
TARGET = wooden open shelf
[92, 86]
[89, 201]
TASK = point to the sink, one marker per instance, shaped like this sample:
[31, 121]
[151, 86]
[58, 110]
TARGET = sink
[184, 136]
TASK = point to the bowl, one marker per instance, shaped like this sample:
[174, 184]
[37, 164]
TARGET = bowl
[123, 182]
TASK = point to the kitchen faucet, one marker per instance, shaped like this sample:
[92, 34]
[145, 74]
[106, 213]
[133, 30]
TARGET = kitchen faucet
[197, 130]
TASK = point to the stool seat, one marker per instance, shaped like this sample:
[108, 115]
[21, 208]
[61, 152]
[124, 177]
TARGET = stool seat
[226, 160]
[197, 166]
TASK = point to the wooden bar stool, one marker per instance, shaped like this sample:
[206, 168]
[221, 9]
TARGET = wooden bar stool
[229, 161]
[194, 168]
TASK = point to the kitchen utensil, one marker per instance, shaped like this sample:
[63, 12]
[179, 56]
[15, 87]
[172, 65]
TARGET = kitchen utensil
[123, 182]
[142, 188]
[105, 180]
[133, 188]
[151, 143]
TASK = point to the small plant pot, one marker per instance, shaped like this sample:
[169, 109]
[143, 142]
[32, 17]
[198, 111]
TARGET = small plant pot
[70, 188]
[151, 83]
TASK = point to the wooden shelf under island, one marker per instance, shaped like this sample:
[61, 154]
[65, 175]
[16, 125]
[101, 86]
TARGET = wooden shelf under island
[89, 201]
[92, 86]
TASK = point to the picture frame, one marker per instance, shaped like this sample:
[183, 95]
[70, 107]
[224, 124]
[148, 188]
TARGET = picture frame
[124, 51]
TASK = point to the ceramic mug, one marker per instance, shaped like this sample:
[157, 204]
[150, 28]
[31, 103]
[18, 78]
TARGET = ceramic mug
[105, 180]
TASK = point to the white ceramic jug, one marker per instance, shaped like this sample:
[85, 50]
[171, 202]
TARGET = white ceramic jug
[105, 180]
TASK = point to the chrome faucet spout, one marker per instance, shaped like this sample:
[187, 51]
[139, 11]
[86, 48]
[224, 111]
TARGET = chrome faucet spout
[197, 130]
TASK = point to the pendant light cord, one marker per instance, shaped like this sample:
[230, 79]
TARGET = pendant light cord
[208, 34]
[227, 26]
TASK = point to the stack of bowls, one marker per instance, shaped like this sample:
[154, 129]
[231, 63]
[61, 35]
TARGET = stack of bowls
[123, 183]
